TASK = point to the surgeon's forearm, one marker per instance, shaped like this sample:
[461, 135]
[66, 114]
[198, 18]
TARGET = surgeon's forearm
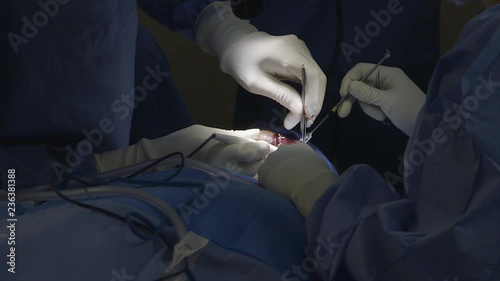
[305, 197]
[217, 28]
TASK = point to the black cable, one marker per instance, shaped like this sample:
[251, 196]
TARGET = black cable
[80, 180]
[186, 267]
[178, 167]
[156, 163]
[107, 213]
[124, 219]
[201, 146]
[38, 203]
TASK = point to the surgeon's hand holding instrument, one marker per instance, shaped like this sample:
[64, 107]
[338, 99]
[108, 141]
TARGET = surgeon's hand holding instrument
[260, 62]
[398, 98]
[386, 56]
[347, 97]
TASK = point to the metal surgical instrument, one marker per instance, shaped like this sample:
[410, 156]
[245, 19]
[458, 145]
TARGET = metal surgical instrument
[386, 56]
[336, 107]
[303, 121]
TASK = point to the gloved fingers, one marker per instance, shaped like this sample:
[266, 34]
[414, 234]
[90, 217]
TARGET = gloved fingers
[275, 172]
[277, 69]
[271, 87]
[315, 86]
[366, 93]
[272, 149]
[284, 153]
[249, 169]
[291, 120]
[295, 45]
[373, 111]
[246, 152]
[355, 74]
[345, 108]
[250, 133]
[242, 136]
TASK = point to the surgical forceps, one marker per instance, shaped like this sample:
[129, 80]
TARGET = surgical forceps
[308, 136]
[303, 121]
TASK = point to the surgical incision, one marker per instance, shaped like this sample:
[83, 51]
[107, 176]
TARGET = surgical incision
[278, 139]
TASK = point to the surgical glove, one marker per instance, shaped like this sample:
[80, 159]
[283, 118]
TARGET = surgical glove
[298, 173]
[398, 97]
[259, 62]
[244, 156]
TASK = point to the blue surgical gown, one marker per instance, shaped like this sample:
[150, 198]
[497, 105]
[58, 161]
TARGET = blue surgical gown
[365, 28]
[80, 77]
[447, 226]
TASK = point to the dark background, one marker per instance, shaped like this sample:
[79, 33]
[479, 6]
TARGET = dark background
[210, 94]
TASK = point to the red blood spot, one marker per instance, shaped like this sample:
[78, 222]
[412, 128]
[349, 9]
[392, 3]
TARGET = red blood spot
[279, 139]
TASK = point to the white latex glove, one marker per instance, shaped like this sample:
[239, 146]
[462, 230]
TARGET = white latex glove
[242, 156]
[260, 62]
[398, 97]
[298, 173]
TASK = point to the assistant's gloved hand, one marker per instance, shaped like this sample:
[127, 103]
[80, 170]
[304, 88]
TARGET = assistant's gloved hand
[243, 156]
[297, 172]
[259, 62]
[398, 97]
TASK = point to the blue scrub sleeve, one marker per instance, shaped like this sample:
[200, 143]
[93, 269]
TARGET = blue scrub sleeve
[160, 107]
[447, 228]
[178, 16]
[333, 221]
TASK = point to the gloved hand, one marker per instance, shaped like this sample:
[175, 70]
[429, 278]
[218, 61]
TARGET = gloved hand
[259, 62]
[297, 172]
[242, 156]
[398, 97]
[245, 155]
